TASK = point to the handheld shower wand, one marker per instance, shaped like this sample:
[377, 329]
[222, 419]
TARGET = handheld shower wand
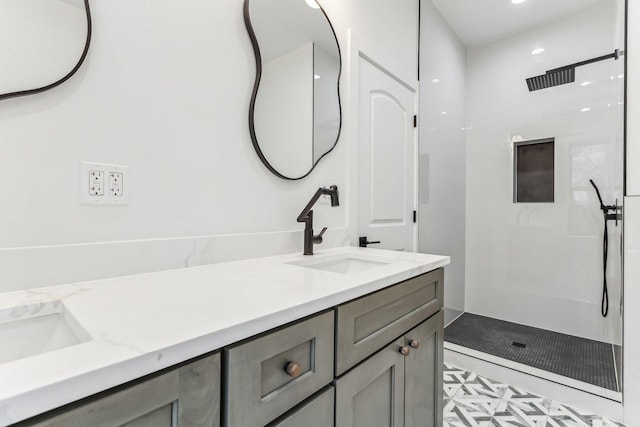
[610, 213]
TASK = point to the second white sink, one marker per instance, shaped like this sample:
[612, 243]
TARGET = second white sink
[31, 335]
[343, 263]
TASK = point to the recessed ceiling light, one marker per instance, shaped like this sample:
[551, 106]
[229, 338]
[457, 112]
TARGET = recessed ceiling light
[444, 113]
[435, 81]
[621, 76]
[315, 76]
[517, 1]
[586, 109]
[537, 51]
[312, 4]
[585, 83]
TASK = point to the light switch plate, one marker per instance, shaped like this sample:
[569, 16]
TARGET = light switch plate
[104, 184]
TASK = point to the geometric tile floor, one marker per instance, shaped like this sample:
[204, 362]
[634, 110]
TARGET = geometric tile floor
[474, 401]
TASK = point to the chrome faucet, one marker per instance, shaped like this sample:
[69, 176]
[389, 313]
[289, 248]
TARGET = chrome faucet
[306, 216]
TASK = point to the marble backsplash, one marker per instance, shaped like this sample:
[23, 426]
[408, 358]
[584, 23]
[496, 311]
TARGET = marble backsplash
[35, 267]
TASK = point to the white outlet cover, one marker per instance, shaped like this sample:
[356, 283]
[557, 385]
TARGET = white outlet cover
[108, 198]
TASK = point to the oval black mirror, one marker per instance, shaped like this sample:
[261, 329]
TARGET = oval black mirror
[42, 43]
[295, 115]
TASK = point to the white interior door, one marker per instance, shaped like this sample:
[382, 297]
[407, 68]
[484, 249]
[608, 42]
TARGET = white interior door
[386, 158]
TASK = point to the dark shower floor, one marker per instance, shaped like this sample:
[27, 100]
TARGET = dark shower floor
[573, 357]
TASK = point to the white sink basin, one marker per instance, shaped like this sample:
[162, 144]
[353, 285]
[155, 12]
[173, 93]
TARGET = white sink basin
[344, 263]
[33, 334]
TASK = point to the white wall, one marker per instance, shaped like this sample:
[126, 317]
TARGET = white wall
[541, 264]
[631, 371]
[442, 149]
[165, 90]
[63, 25]
[284, 128]
[633, 103]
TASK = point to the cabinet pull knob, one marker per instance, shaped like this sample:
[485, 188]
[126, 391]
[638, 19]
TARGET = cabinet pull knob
[293, 369]
[414, 344]
[404, 350]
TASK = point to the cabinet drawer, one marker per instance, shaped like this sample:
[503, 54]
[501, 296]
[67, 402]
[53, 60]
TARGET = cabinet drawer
[188, 396]
[258, 387]
[317, 413]
[369, 323]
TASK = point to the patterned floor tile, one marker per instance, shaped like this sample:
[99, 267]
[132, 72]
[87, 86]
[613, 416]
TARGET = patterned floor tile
[475, 401]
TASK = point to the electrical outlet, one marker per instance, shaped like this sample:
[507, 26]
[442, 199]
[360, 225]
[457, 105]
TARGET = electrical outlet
[115, 184]
[104, 184]
[96, 183]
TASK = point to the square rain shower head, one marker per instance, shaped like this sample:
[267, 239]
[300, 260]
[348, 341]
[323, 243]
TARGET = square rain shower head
[557, 77]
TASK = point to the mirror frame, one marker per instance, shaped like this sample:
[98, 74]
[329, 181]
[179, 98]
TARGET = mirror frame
[70, 74]
[256, 86]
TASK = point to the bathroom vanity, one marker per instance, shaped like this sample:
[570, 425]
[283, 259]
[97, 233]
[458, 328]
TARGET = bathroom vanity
[347, 337]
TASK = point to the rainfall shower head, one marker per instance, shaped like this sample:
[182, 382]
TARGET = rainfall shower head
[552, 78]
[564, 75]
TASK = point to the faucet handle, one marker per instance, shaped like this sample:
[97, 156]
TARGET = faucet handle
[318, 239]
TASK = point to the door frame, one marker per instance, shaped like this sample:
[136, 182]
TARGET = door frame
[358, 47]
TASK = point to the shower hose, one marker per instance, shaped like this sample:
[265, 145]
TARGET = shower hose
[605, 248]
[605, 255]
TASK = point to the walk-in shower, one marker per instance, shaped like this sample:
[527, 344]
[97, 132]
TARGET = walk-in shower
[535, 282]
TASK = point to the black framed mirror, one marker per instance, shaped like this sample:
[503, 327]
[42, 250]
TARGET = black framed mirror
[43, 43]
[295, 117]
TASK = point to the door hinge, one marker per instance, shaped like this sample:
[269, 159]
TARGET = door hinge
[415, 121]
[415, 216]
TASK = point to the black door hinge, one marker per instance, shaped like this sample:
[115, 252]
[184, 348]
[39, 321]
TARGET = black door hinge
[415, 121]
[415, 216]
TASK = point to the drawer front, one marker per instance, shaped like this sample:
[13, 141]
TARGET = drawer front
[258, 387]
[369, 323]
[188, 396]
[317, 413]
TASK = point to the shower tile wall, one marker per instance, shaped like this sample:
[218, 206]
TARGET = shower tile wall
[442, 150]
[540, 264]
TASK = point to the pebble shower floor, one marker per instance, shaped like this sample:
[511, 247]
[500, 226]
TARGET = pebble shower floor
[474, 401]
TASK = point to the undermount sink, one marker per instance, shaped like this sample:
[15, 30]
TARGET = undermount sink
[32, 334]
[344, 263]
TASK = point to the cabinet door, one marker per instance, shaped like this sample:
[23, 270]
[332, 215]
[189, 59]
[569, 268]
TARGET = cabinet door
[423, 374]
[372, 394]
[187, 397]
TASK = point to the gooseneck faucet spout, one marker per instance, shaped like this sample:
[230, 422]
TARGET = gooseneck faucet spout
[306, 216]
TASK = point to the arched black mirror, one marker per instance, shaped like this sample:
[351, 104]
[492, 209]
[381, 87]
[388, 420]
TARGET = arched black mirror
[42, 43]
[295, 116]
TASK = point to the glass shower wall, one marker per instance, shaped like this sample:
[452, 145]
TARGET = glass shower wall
[540, 264]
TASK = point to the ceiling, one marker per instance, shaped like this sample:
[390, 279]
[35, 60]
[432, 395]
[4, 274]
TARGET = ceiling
[478, 22]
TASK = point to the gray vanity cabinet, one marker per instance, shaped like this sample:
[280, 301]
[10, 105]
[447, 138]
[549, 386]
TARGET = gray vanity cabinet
[188, 396]
[372, 394]
[369, 323]
[423, 374]
[268, 376]
[400, 385]
[318, 412]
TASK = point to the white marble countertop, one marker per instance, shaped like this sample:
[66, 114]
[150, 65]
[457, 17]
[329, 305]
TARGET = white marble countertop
[144, 323]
